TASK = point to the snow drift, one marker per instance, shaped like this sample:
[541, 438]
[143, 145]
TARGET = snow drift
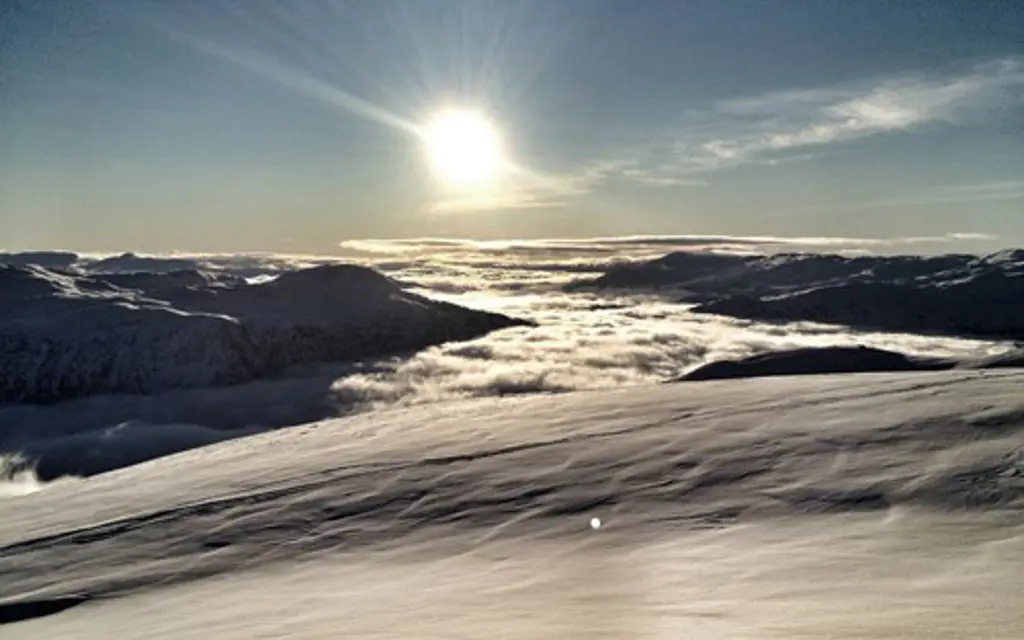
[830, 506]
[64, 335]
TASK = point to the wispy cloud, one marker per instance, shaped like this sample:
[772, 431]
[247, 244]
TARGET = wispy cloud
[944, 194]
[798, 120]
[1002, 188]
[779, 127]
[787, 126]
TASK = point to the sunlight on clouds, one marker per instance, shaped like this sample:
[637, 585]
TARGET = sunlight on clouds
[1009, 188]
[596, 253]
[526, 188]
[506, 199]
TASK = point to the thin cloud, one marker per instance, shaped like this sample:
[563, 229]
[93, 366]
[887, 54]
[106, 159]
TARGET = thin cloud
[792, 126]
[623, 248]
[526, 188]
[1008, 188]
[518, 199]
[946, 194]
[770, 128]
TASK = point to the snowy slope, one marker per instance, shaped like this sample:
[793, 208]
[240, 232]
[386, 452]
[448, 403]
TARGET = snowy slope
[64, 335]
[869, 506]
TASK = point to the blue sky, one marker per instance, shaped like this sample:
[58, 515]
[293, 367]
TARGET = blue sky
[273, 126]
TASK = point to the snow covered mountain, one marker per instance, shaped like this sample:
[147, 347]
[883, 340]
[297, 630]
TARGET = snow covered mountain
[869, 506]
[64, 335]
[60, 260]
[956, 294]
[988, 305]
[132, 263]
[837, 359]
[711, 275]
[811, 360]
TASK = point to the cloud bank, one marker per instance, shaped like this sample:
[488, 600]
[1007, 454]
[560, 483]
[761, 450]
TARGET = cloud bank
[603, 250]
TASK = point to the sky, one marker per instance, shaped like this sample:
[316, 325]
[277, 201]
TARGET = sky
[297, 127]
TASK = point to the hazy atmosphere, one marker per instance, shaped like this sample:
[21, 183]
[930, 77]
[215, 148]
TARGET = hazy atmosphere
[525, 319]
[291, 127]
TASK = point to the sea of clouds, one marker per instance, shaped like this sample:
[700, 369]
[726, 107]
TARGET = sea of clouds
[583, 340]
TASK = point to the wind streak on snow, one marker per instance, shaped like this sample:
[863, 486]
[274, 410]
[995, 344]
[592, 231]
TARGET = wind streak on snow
[674, 457]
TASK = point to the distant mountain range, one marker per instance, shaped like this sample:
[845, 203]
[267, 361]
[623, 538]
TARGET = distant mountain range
[960, 295]
[66, 334]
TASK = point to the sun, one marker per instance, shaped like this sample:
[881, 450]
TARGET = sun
[464, 149]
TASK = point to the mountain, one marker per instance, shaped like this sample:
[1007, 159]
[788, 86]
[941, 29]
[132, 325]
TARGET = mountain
[956, 294]
[988, 305]
[816, 360]
[59, 260]
[133, 263]
[64, 335]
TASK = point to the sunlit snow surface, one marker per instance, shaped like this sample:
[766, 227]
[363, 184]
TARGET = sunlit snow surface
[866, 506]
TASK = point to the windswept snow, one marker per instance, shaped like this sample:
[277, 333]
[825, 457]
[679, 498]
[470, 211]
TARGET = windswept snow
[879, 506]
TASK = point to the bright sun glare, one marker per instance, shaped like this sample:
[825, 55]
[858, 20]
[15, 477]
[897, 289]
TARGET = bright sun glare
[464, 149]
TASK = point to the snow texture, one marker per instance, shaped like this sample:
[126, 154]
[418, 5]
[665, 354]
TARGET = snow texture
[881, 506]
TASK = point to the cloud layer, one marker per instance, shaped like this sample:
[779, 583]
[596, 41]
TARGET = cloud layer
[599, 252]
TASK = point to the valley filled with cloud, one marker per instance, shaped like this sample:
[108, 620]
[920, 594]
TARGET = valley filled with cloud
[571, 335]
